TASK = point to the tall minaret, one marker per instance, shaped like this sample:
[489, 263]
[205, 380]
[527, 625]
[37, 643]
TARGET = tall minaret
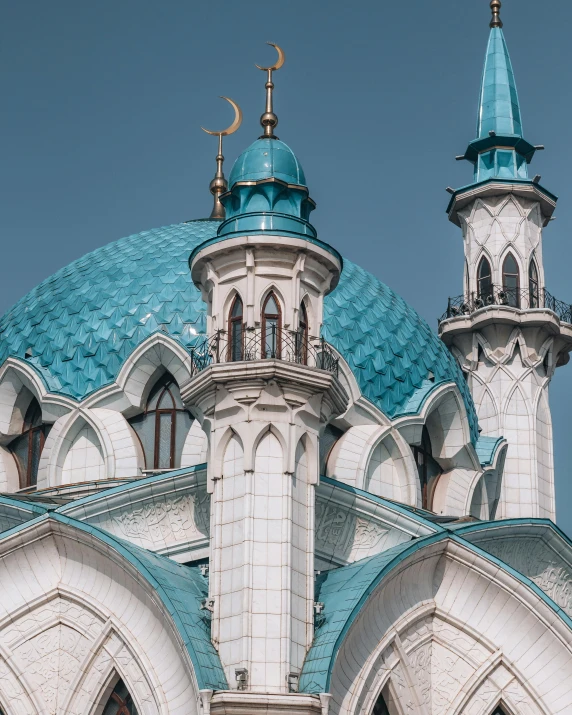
[265, 387]
[508, 333]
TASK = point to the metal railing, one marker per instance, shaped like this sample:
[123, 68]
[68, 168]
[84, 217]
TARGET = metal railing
[520, 298]
[272, 344]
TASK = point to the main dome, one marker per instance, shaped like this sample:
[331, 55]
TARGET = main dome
[78, 327]
[267, 159]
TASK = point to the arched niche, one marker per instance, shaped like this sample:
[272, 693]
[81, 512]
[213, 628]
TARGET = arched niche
[157, 354]
[164, 425]
[82, 458]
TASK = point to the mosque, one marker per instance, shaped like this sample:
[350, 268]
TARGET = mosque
[240, 475]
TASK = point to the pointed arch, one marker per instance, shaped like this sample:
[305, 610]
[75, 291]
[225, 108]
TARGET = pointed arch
[271, 323]
[163, 426]
[28, 446]
[484, 279]
[19, 383]
[120, 701]
[511, 280]
[533, 284]
[155, 355]
[235, 328]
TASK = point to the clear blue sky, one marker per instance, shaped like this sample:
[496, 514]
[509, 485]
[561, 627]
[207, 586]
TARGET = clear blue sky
[102, 103]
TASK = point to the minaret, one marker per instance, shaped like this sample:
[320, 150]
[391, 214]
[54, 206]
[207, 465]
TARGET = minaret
[507, 330]
[265, 386]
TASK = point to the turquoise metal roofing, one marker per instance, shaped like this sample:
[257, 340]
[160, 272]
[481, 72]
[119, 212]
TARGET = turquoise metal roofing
[486, 448]
[499, 109]
[81, 324]
[265, 159]
[344, 592]
[389, 347]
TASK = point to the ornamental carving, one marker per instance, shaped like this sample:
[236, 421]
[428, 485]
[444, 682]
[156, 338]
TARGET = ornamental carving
[341, 531]
[537, 561]
[166, 518]
[50, 662]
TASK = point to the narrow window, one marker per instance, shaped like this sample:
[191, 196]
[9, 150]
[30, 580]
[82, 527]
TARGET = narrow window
[120, 702]
[271, 324]
[534, 294]
[163, 427]
[302, 336]
[27, 448]
[427, 468]
[484, 280]
[236, 331]
[511, 281]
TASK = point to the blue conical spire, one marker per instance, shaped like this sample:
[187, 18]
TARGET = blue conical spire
[500, 150]
[499, 110]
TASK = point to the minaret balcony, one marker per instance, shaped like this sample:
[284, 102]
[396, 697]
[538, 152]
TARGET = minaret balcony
[496, 313]
[274, 343]
[515, 298]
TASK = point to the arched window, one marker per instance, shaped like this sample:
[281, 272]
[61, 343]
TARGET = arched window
[302, 336]
[236, 330]
[484, 279]
[28, 446]
[511, 281]
[120, 702]
[164, 425]
[271, 326]
[380, 707]
[427, 468]
[533, 290]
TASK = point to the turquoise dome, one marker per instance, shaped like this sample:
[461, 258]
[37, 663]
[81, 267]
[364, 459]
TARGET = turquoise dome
[78, 327]
[265, 159]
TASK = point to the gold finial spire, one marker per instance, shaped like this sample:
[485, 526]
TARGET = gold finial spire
[269, 120]
[219, 184]
[495, 8]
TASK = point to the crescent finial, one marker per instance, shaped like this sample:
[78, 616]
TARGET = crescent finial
[219, 184]
[235, 124]
[279, 61]
[269, 120]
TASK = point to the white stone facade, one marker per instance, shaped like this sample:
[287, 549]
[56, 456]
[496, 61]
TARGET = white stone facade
[510, 351]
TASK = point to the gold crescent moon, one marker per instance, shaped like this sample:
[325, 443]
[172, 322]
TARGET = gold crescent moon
[234, 126]
[279, 61]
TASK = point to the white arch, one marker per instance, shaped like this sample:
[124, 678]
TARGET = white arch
[450, 599]
[65, 430]
[128, 394]
[62, 578]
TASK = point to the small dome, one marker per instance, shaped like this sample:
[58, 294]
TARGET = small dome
[77, 328]
[266, 159]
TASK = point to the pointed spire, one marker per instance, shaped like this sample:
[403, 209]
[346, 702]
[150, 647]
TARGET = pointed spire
[269, 120]
[495, 8]
[499, 109]
[219, 184]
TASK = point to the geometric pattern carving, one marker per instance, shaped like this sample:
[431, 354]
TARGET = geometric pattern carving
[50, 661]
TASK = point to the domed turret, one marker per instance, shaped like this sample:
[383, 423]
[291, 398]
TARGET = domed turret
[268, 192]
[267, 159]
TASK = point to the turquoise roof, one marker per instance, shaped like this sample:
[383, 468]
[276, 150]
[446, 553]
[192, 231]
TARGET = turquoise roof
[499, 110]
[389, 347]
[265, 159]
[82, 323]
[486, 448]
[344, 592]
[499, 151]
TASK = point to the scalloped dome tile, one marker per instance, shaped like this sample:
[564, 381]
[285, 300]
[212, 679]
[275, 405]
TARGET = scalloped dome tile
[83, 322]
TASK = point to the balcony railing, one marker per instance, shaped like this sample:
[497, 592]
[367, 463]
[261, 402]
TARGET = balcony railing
[520, 298]
[272, 344]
